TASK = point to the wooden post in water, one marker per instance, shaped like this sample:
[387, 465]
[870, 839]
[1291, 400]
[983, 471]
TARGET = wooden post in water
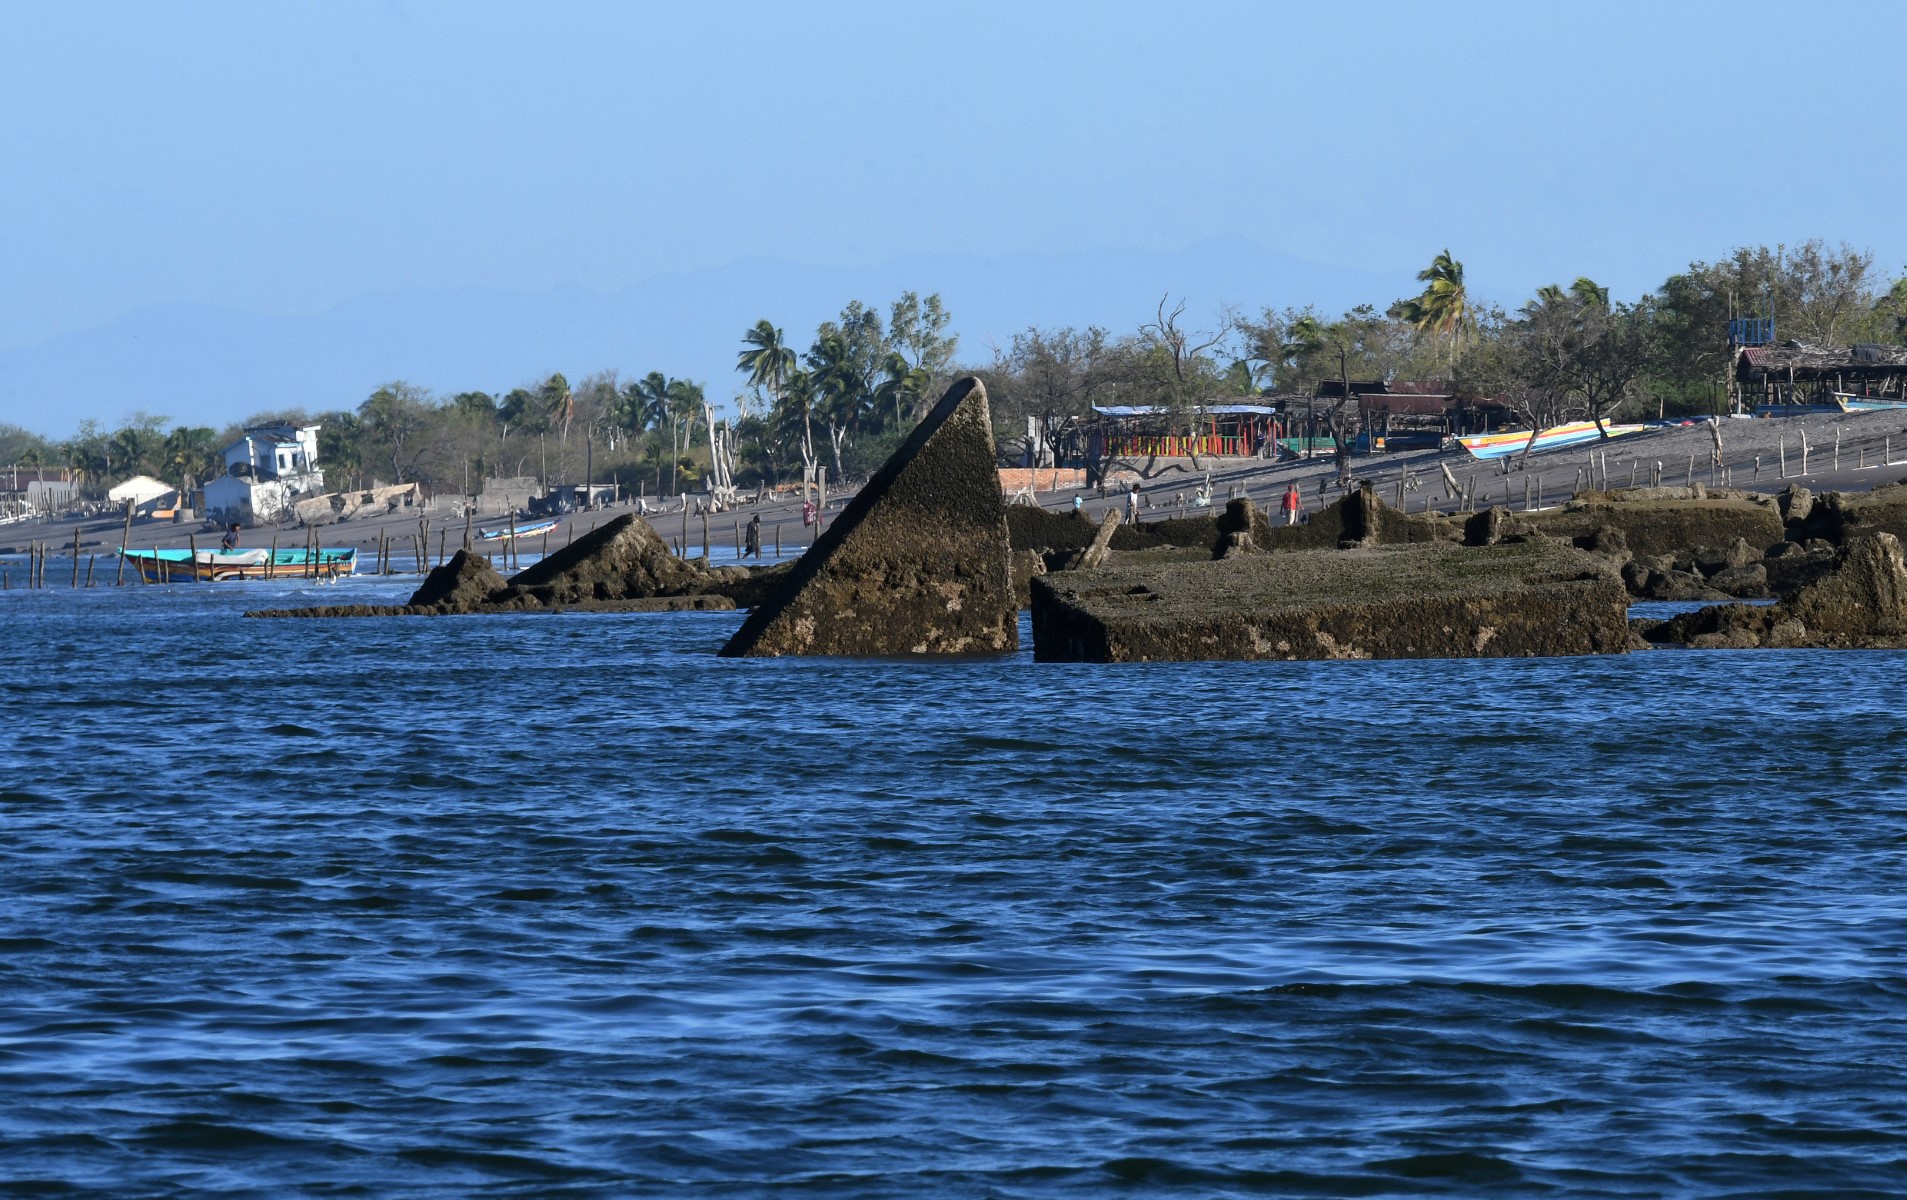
[1804, 454]
[468, 506]
[546, 543]
[683, 541]
[1782, 445]
[1688, 476]
[91, 561]
[1837, 449]
[1632, 472]
[705, 535]
[509, 551]
[75, 556]
[271, 560]
[777, 541]
[119, 580]
[1863, 458]
[442, 536]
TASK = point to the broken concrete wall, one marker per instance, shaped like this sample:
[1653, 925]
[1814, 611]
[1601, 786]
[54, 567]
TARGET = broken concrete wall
[1406, 601]
[1652, 527]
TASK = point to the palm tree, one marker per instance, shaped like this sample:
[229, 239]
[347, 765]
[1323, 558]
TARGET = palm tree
[685, 401]
[188, 453]
[1305, 337]
[132, 446]
[1588, 293]
[652, 396]
[794, 416]
[559, 405]
[768, 362]
[904, 386]
[841, 389]
[1442, 309]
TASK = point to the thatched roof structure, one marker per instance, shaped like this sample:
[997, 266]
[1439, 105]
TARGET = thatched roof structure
[1806, 361]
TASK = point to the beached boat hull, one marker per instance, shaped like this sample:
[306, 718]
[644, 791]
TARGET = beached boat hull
[527, 529]
[1856, 404]
[1576, 433]
[221, 566]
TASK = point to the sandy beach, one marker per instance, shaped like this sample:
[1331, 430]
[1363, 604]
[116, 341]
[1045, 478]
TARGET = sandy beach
[1872, 451]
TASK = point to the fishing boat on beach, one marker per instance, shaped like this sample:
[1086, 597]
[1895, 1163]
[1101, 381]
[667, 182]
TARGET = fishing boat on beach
[1849, 402]
[1557, 437]
[219, 566]
[525, 529]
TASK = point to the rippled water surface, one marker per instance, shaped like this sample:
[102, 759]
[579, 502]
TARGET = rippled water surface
[566, 906]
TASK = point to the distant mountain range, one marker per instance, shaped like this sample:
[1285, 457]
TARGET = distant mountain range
[207, 364]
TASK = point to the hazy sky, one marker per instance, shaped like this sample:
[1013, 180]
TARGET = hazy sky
[283, 158]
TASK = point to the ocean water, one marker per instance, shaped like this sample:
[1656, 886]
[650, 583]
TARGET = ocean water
[567, 906]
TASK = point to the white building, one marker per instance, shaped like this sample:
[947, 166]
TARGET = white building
[140, 491]
[266, 472]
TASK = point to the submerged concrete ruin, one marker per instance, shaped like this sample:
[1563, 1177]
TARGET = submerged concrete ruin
[918, 563]
[1539, 597]
[622, 565]
[1858, 601]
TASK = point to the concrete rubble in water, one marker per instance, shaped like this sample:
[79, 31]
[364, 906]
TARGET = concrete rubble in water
[1858, 602]
[918, 563]
[1431, 600]
[622, 565]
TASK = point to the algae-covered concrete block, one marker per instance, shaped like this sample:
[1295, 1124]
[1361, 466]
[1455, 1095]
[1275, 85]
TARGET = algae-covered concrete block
[918, 563]
[623, 559]
[1858, 602]
[459, 585]
[1409, 601]
[1672, 526]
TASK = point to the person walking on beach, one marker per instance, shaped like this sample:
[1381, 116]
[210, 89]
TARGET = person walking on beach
[1132, 505]
[1291, 504]
[230, 540]
[751, 538]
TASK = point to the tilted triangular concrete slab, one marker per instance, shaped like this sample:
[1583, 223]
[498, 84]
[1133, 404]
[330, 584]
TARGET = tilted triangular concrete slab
[918, 563]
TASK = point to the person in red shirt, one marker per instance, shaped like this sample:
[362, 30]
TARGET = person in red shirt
[1291, 504]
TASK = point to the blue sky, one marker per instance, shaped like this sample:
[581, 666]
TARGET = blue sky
[250, 161]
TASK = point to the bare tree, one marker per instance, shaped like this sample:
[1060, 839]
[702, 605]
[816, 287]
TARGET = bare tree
[1181, 367]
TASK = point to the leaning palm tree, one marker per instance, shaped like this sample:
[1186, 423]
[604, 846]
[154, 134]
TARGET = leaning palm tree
[1442, 309]
[1588, 293]
[768, 362]
[559, 405]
